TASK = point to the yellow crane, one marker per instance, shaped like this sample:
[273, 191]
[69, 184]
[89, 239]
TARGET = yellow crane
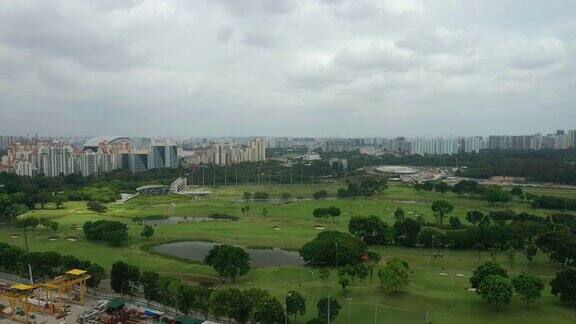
[61, 288]
[17, 295]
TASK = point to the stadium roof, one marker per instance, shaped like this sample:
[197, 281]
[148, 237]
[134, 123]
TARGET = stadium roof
[95, 141]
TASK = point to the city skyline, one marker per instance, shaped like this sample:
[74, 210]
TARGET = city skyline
[286, 68]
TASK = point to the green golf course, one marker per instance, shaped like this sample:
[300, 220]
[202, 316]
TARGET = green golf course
[438, 287]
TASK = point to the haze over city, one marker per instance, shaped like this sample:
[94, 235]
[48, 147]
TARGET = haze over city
[286, 68]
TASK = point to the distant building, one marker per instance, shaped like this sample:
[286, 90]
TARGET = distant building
[138, 161]
[338, 145]
[162, 155]
[472, 144]
[311, 157]
[434, 145]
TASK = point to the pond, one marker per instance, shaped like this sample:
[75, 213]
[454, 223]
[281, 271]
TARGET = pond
[182, 219]
[259, 258]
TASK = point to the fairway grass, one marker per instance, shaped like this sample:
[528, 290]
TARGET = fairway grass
[444, 297]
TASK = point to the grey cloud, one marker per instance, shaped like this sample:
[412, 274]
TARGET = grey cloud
[225, 33]
[374, 57]
[312, 67]
[258, 7]
[259, 39]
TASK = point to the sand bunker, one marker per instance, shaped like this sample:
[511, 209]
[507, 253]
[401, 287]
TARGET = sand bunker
[471, 289]
[459, 275]
[72, 238]
[443, 274]
[320, 228]
[14, 236]
[277, 227]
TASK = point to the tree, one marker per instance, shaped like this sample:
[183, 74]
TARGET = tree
[264, 211]
[269, 311]
[485, 270]
[394, 274]
[496, 195]
[320, 213]
[441, 208]
[479, 247]
[333, 212]
[407, 232]
[184, 297]
[124, 278]
[344, 282]
[371, 229]
[113, 232]
[497, 290]
[201, 302]
[517, 192]
[260, 196]
[286, 195]
[149, 282]
[494, 251]
[27, 222]
[42, 198]
[510, 256]
[528, 287]
[97, 273]
[96, 207]
[328, 308]
[441, 187]
[428, 186]
[332, 248]
[54, 226]
[295, 303]
[564, 284]
[324, 273]
[58, 201]
[530, 252]
[147, 232]
[455, 222]
[15, 210]
[399, 214]
[247, 195]
[228, 261]
[322, 194]
[474, 216]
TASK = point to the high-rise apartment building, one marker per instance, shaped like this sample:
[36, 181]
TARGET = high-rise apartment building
[472, 144]
[434, 145]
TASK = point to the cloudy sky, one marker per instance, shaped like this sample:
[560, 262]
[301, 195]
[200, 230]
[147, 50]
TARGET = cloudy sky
[287, 67]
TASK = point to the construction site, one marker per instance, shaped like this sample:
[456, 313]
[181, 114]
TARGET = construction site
[64, 299]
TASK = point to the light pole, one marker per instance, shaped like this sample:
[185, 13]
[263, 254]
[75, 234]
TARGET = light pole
[28, 256]
[328, 313]
[282, 251]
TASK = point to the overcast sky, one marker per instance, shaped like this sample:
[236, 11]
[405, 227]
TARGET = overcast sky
[287, 67]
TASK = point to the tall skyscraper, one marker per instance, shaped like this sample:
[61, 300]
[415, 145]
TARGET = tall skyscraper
[163, 155]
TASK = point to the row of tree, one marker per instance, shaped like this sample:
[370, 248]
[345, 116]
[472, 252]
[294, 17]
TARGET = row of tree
[253, 305]
[46, 265]
[493, 284]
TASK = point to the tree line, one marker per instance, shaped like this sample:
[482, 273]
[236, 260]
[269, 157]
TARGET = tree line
[253, 305]
[46, 265]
